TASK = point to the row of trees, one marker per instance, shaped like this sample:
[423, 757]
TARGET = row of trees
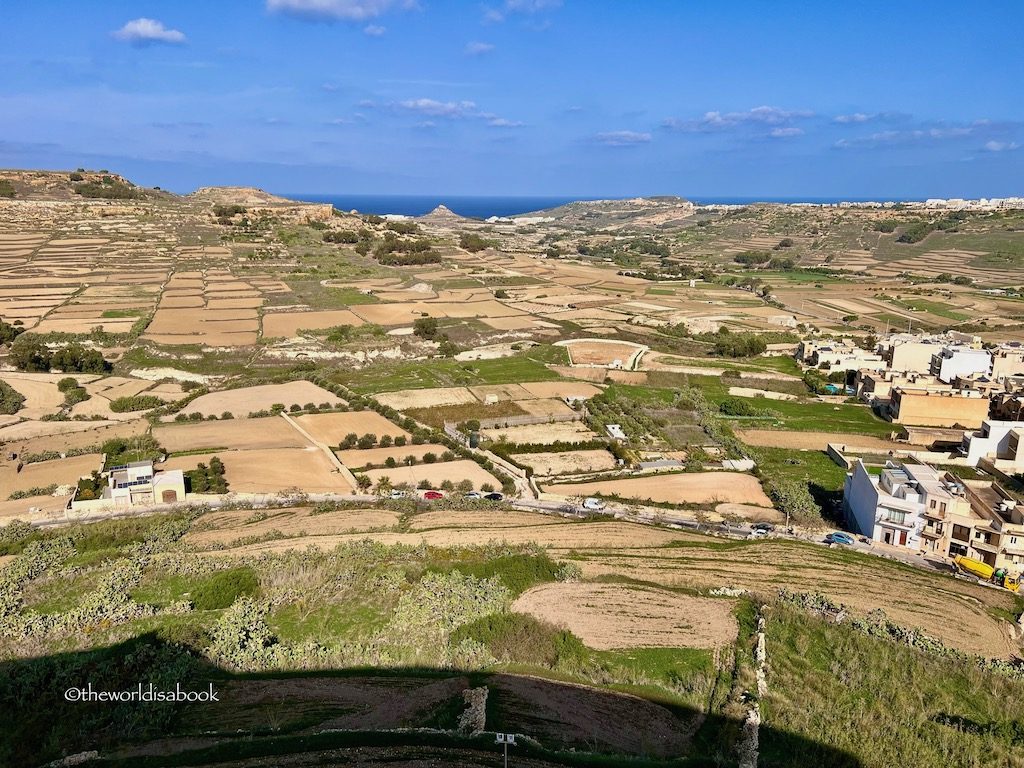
[29, 353]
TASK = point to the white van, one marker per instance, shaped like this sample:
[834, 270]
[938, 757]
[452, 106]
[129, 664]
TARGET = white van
[592, 504]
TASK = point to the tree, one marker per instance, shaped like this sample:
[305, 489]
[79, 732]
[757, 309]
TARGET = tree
[363, 482]
[385, 441]
[425, 327]
[390, 462]
[423, 485]
[400, 441]
[384, 485]
[447, 485]
[429, 457]
[465, 486]
[487, 488]
[367, 441]
[29, 353]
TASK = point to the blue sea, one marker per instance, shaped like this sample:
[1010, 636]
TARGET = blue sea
[482, 207]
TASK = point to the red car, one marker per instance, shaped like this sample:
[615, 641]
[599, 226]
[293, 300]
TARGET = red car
[433, 495]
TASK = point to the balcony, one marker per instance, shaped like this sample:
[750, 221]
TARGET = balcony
[934, 514]
[983, 546]
[931, 533]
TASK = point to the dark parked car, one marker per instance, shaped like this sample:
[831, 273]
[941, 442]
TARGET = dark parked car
[494, 496]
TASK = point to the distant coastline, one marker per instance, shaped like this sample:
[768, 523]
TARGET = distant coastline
[485, 206]
[481, 207]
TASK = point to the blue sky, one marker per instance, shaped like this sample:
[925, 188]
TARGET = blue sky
[760, 98]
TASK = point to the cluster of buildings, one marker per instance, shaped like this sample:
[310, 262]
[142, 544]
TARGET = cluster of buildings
[921, 380]
[924, 509]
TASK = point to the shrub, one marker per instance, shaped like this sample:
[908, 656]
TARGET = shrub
[520, 639]
[223, 588]
[135, 403]
[11, 399]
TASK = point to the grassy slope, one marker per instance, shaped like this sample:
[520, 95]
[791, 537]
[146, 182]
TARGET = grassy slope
[885, 704]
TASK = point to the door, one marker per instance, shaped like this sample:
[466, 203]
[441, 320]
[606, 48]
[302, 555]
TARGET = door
[169, 495]
[903, 538]
[888, 537]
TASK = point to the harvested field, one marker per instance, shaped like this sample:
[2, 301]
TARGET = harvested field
[44, 473]
[357, 458]
[272, 470]
[331, 428]
[814, 441]
[247, 400]
[404, 399]
[238, 434]
[40, 390]
[561, 389]
[603, 353]
[566, 463]
[767, 394]
[683, 488]
[447, 518]
[288, 324]
[543, 434]
[437, 473]
[224, 528]
[546, 407]
[606, 616]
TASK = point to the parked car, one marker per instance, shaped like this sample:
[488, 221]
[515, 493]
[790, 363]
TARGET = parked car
[757, 533]
[838, 537]
[494, 496]
[433, 495]
[396, 494]
[472, 495]
[593, 504]
[766, 527]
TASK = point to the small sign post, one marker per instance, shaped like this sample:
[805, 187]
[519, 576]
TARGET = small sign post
[506, 739]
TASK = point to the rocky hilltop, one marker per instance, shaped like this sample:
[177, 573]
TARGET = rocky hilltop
[70, 185]
[247, 196]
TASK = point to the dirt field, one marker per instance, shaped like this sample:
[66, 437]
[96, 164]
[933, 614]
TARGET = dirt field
[246, 400]
[561, 389]
[331, 428]
[813, 441]
[688, 487]
[405, 399]
[606, 616]
[288, 324]
[44, 473]
[437, 474]
[230, 526]
[270, 432]
[566, 463]
[356, 458]
[955, 611]
[543, 434]
[603, 353]
[272, 470]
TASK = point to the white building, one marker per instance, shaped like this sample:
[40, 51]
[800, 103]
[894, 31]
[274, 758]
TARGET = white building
[953, 361]
[615, 432]
[1000, 441]
[890, 507]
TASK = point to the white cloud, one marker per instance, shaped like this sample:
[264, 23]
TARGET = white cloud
[856, 117]
[500, 122]
[434, 108]
[478, 48]
[509, 7]
[723, 121]
[930, 134]
[147, 32]
[785, 133]
[338, 10]
[374, 30]
[445, 110]
[1001, 146]
[622, 138]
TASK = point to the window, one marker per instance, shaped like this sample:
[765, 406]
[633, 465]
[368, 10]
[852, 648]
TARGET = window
[962, 533]
[893, 516]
